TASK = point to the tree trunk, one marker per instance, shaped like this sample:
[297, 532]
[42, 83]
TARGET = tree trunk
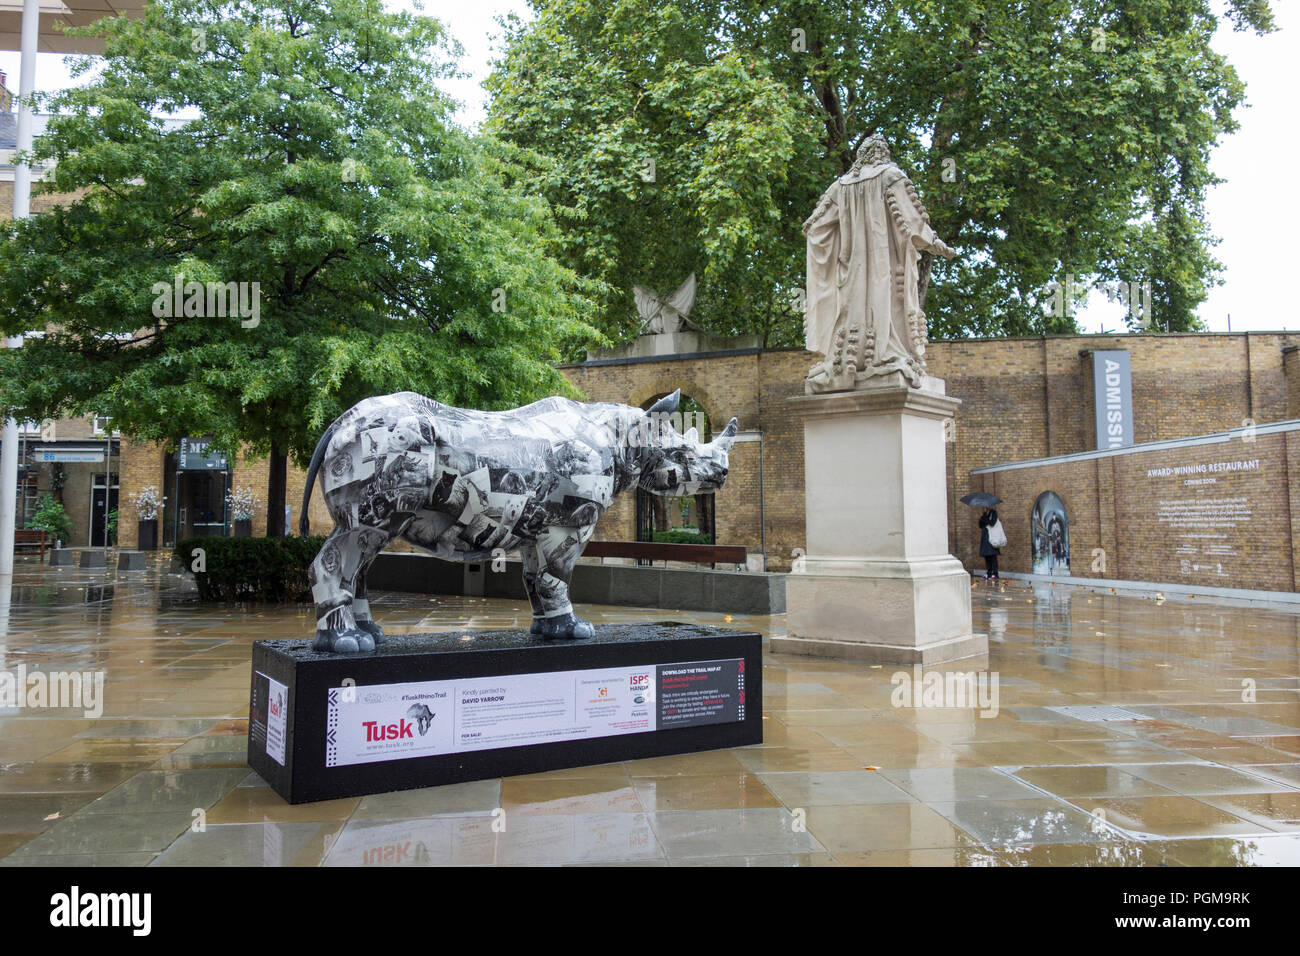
[276, 486]
[662, 521]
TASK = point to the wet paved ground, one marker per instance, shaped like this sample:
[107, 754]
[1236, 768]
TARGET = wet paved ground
[1127, 733]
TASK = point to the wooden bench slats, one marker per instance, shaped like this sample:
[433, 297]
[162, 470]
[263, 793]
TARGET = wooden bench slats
[663, 551]
[33, 537]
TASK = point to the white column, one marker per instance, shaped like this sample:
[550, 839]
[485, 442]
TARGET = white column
[22, 209]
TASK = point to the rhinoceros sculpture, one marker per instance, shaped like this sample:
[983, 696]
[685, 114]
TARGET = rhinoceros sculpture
[464, 484]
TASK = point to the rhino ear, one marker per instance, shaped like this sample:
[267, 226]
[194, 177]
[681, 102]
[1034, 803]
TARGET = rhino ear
[692, 436]
[728, 436]
[666, 405]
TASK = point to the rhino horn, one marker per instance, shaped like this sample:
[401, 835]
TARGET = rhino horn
[728, 436]
[666, 405]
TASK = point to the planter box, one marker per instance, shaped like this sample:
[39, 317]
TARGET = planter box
[244, 528]
[131, 561]
[148, 531]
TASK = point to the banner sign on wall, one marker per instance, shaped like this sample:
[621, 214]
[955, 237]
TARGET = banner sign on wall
[399, 721]
[1112, 396]
[196, 454]
[1205, 511]
[89, 457]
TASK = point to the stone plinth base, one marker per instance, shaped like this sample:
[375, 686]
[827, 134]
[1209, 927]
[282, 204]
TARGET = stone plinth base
[429, 709]
[877, 583]
[894, 611]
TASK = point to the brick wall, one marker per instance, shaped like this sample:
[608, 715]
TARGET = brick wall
[39, 202]
[1021, 399]
[145, 463]
[1130, 520]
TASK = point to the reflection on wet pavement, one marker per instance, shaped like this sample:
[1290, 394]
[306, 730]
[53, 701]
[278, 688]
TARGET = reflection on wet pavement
[1127, 733]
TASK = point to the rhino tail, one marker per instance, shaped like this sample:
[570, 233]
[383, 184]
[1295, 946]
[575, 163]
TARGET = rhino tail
[304, 524]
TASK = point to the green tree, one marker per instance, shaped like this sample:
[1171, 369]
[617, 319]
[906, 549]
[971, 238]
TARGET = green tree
[1054, 138]
[52, 519]
[385, 248]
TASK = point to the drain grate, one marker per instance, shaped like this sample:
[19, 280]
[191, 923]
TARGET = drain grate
[1100, 713]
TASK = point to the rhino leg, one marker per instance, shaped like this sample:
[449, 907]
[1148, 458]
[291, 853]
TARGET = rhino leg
[533, 568]
[334, 576]
[556, 552]
[361, 607]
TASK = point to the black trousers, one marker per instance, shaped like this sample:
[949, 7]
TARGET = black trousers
[991, 565]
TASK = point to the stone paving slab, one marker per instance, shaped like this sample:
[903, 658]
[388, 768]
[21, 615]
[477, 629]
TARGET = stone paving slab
[1203, 776]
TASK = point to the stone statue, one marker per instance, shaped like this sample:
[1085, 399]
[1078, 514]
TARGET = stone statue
[866, 280]
[660, 315]
[466, 484]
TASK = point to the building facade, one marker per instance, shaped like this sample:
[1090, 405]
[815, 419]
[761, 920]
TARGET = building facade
[1023, 399]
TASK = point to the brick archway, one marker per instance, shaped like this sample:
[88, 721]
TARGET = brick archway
[750, 385]
[654, 513]
[668, 384]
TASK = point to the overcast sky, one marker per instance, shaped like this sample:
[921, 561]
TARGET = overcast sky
[1248, 211]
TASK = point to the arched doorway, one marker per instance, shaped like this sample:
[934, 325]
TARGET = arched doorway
[1049, 535]
[689, 519]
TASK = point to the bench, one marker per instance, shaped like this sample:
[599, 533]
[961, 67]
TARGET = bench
[30, 538]
[662, 551]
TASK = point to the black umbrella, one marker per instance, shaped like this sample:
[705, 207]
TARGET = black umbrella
[981, 499]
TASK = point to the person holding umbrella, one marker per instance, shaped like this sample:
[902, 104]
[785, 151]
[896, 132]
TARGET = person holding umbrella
[992, 538]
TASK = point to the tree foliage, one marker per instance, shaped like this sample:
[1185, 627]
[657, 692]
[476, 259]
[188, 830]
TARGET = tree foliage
[391, 250]
[1048, 138]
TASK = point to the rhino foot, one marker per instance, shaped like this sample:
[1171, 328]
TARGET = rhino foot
[537, 626]
[567, 627]
[374, 630]
[349, 641]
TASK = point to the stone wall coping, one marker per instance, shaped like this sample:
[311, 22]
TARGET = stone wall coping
[1214, 438]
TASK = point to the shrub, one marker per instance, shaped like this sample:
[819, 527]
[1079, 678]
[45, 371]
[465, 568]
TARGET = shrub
[51, 518]
[251, 569]
[677, 536]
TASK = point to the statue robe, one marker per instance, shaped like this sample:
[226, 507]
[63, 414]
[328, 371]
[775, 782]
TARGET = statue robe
[864, 243]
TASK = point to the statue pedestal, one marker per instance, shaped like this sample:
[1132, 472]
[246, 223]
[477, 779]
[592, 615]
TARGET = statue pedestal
[423, 710]
[877, 583]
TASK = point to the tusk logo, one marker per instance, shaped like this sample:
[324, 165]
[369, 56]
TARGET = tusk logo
[422, 716]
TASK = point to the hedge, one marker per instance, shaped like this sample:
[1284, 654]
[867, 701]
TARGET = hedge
[251, 569]
[677, 536]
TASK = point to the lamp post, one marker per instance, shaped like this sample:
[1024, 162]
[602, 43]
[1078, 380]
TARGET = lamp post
[22, 209]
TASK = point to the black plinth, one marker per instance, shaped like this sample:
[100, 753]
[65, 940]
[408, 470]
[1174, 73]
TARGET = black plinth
[430, 709]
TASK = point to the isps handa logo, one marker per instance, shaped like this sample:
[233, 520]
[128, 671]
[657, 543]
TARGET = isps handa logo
[277, 705]
[418, 717]
[640, 685]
